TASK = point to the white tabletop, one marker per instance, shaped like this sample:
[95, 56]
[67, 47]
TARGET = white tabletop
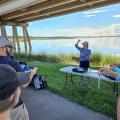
[90, 73]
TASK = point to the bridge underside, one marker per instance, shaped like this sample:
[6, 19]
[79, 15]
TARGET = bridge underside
[20, 12]
[31, 10]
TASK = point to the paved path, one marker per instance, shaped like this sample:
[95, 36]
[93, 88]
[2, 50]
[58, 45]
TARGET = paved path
[44, 105]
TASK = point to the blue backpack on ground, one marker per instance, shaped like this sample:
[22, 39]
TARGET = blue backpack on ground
[38, 81]
[25, 67]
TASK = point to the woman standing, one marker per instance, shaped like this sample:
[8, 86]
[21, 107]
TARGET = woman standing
[85, 53]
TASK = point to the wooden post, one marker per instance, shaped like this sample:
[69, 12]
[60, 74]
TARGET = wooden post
[25, 40]
[16, 38]
[3, 31]
[28, 39]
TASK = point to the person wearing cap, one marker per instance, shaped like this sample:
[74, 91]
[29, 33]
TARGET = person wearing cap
[10, 51]
[85, 53]
[15, 114]
[10, 82]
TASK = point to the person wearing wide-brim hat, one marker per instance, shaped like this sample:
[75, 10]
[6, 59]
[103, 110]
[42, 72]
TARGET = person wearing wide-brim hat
[85, 53]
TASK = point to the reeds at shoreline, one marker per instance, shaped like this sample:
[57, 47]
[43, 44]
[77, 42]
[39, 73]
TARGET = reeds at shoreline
[97, 59]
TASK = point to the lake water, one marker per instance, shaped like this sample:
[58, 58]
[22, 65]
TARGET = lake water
[106, 45]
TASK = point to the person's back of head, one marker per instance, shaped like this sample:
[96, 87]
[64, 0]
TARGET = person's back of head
[10, 82]
[10, 101]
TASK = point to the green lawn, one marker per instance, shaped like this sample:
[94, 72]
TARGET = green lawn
[97, 100]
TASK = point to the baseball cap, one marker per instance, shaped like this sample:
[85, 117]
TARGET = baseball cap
[85, 42]
[4, 42]
[10, 80]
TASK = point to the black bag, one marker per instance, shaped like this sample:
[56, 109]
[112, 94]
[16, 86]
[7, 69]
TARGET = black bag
[38, 82]
[82, 70]
[110, 77]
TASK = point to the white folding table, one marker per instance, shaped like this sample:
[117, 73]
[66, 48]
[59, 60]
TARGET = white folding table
[91, 73]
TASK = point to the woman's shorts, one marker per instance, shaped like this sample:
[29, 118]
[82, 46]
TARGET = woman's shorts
[85, 64]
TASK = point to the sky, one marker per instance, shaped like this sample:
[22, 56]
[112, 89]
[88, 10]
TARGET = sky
[96, 22]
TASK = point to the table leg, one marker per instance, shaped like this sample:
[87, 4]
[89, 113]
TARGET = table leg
[81, 80]
[115, 92]
[117, 88]
[85, 81]
[98, 83]
[114, 89]
[71, 78]
[66, 79]
[88, 82]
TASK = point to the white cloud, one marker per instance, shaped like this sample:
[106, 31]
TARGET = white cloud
[113, 29]
[95, 12]
[116, 25]
[115, 9]
[88, 16]
[116, 16]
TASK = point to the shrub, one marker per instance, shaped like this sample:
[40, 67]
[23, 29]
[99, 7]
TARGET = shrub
[97, 59]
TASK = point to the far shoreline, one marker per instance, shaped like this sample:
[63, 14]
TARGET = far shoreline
[62, 37]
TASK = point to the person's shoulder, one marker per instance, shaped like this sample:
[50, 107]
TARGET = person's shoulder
[4, 59]
[15, 65]
[10, 60]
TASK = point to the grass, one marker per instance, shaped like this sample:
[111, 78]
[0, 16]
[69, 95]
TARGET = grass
[97, 100]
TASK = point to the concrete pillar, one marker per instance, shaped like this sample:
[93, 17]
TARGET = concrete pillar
[14, 40]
